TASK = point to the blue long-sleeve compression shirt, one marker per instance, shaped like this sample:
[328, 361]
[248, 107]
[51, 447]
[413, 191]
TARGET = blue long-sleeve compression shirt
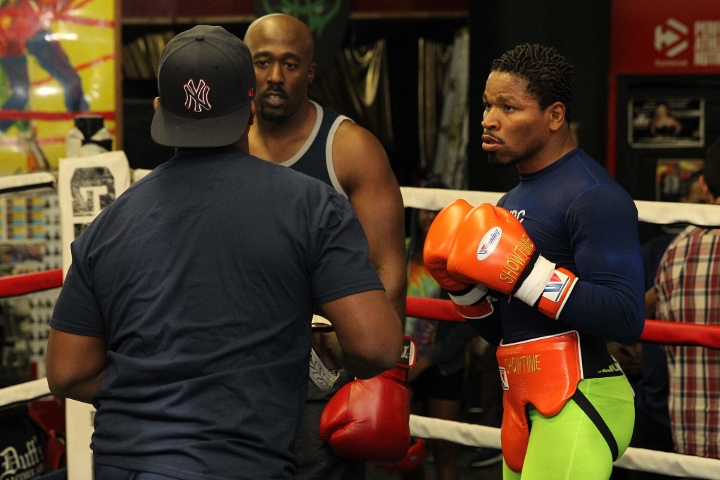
[582, 220]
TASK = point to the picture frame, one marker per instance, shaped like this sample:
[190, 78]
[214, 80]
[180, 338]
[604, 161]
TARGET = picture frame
[672, 175]
[666, 122]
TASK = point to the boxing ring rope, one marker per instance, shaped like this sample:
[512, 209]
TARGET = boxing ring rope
[656, 331]
[660, 213]
[462, 433]
[15, 285]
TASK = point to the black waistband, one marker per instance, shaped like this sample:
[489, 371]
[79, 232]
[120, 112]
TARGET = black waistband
[597, 361]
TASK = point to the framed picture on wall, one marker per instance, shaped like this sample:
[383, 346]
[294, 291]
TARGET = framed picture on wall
[673, 178]
[666, 122]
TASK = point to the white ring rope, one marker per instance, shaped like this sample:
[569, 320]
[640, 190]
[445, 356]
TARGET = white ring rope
[662, 213]
[671, 464]
[24, 392]
[26, 181]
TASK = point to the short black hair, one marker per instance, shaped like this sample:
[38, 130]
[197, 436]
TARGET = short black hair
[711, 169]
[549, 75]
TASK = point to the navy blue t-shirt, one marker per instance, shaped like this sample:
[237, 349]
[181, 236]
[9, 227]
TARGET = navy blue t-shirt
[202, 277]
[582, 220]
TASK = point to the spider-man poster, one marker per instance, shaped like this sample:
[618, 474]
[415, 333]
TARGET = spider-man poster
[57, 60]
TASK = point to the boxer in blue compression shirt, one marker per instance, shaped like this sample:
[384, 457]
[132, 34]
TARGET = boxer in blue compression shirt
[566, 402]
[579, 218]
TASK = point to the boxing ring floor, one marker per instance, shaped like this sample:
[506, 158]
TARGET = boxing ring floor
[465, 456]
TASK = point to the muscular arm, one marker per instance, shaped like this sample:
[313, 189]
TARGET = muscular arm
[608, 300]
[364, 171]
[368, 331]
[75, 364]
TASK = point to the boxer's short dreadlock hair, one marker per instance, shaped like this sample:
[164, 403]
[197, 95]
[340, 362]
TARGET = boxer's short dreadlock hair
[549, 75]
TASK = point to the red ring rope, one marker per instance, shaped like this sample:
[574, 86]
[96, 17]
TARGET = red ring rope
[655, 331]
[25, 283]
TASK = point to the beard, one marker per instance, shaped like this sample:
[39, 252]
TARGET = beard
[273, 116]
[511, 158]
[270, 113]
[496, 162]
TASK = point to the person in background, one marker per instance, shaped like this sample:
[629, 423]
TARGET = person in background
[567, 276]
[436, 381]
[647, 360]
[185, 316]
[687, 287]
[693, 192]
[293, 131]
[490, 397]
[663, 125]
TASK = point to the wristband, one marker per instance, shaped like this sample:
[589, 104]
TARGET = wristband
[470, 296]
[407, 361]
[546, 288]
[532, 287]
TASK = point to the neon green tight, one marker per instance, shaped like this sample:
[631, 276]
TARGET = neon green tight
[569, 446]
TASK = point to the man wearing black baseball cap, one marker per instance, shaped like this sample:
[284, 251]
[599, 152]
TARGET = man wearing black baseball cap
[206, 90]
[185, 316]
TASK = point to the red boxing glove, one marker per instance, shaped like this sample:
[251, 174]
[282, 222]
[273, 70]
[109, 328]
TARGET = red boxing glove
[369, 420]
[469, 298]
[492, 247]
[413, 460]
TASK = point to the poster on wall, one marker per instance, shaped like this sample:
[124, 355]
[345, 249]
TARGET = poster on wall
[57, 60]
[666, 122]
[661, 37]
[672, 178]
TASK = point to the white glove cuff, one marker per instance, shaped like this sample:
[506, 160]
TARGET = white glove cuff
[533, 286]
[320, 375]
[472, 297]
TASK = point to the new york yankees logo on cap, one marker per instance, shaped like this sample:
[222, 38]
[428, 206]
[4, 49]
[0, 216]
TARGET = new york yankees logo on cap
[206, 84]
[196, 98]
